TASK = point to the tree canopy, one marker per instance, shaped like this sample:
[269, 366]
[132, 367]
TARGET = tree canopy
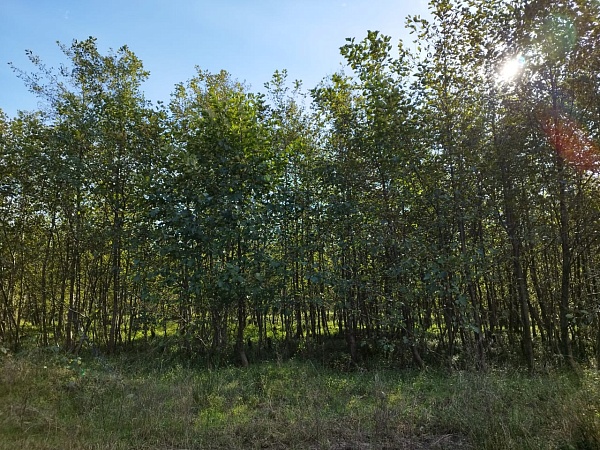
[435, 206]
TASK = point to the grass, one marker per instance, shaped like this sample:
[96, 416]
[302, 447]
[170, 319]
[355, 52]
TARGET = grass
[48, 401]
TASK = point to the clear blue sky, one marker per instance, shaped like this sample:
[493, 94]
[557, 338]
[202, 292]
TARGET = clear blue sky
[248, 38]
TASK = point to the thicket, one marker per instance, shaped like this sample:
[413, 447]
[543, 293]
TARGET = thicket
[424, 207]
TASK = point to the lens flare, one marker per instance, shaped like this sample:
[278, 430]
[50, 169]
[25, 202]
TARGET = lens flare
[572, 143]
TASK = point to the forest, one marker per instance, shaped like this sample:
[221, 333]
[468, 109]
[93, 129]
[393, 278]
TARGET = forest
[434, 204]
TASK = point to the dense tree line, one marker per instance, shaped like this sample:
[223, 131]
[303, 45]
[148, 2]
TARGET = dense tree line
[419, 206]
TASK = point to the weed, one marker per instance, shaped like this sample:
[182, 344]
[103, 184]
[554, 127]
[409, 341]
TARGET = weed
[48, 402]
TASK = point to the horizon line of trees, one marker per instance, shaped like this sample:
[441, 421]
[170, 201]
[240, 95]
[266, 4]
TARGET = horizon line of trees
[419, 206]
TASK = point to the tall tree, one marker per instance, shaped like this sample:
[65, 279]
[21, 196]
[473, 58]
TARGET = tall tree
[217, 198]
[101, 125]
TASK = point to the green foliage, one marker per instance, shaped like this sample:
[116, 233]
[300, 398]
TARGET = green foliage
[416, 209]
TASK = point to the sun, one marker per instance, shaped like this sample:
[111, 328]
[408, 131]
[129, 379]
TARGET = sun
[511, 68]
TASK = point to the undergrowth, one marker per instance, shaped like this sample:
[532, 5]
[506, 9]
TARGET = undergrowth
[48, 401]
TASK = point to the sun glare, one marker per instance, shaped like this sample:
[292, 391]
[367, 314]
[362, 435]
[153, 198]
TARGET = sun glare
[511, 68]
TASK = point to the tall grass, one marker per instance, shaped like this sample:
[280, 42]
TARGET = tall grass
[50, 402]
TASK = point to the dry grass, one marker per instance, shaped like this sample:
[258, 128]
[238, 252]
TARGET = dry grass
[49, 402]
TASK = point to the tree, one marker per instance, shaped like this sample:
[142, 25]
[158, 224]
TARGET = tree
[215, 202]
[101, 127]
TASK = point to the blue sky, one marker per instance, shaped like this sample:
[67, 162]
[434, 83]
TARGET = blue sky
[250, 39]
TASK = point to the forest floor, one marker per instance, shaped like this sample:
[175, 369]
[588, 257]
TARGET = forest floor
[51, 401]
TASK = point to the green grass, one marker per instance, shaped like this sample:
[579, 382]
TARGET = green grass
[48, 401]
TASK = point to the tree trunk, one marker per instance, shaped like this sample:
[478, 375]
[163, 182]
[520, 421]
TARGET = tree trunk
[239, 341]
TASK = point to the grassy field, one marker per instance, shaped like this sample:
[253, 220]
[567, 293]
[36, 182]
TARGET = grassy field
[48, 401]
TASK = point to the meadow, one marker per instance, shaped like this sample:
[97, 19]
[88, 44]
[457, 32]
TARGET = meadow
[49, 400]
